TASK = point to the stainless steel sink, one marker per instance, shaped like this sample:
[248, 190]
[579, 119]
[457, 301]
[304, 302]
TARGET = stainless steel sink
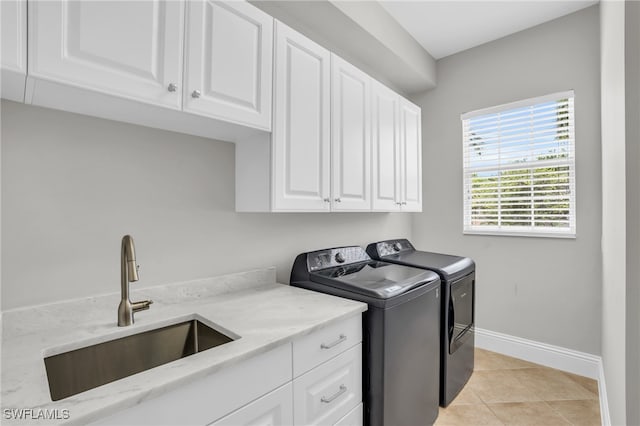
[76, 371]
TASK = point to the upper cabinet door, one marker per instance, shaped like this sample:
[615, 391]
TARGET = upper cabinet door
[385, 149]
[131, 49]
[301, 130]
[350, 136]
[14, 48]
[411, 155]
[229, 62]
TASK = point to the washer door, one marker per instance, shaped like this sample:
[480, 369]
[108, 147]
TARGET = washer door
[461, 307]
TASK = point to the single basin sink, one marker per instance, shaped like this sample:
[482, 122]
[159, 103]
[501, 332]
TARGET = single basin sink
[76, 371]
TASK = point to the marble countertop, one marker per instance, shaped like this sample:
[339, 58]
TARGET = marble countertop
[252, 305]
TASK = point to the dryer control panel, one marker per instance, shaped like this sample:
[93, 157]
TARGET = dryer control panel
[389, 247]
[339, 256]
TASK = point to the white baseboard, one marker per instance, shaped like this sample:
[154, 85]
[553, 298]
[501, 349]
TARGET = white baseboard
[557, 357]
[604, 401]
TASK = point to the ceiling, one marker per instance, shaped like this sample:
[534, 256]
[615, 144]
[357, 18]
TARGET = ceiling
[447, 27]
[397, 42]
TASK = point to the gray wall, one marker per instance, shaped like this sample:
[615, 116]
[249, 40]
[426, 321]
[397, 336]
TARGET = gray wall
[543, 289]
[632, 109]
[72, 186]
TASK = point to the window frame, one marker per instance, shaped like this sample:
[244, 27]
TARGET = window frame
[570, 162]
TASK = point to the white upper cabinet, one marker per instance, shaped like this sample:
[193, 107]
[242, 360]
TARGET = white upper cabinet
[340, 142]
[385, 147]
[301, 130]
[350, 137]
[131, 49]
[411, 156]
[228, 65]
[14, 48]
[397, 152]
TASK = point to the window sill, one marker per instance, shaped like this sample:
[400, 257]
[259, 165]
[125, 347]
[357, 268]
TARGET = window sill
[496, 233]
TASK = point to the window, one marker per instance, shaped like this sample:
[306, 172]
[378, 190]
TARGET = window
[519, 168]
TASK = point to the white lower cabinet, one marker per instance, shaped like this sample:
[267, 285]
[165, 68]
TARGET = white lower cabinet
[354, 417]
[328, 392]
[324, 389]
[213, 397]
[275, 408]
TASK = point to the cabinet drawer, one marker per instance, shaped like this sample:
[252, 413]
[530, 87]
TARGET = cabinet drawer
[275, 408]
[326, 343]
[327, 393]
[212, 397]
[353, 418]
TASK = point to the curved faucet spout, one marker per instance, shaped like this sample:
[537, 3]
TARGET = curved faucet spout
[128, 255]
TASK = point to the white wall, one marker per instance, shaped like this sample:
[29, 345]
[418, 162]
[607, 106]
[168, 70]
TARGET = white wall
[542, 289]
[613, 206]
[72, 186]
[632, 155]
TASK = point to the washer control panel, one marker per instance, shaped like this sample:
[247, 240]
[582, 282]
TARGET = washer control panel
[335, 257]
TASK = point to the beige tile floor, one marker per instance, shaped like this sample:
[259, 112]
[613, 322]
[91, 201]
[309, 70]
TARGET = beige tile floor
[510, 391]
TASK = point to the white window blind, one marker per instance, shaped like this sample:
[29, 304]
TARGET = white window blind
[519, 168]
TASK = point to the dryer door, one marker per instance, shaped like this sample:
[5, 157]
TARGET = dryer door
[461, 311]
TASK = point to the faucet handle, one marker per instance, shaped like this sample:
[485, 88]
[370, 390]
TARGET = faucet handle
[141, 306]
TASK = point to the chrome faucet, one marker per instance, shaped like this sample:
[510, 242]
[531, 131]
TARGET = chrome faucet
[128, 273]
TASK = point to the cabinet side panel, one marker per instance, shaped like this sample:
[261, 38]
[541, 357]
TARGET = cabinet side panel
[253, 174]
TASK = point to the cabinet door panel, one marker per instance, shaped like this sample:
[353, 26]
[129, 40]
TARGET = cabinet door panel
[229, 62]
[273, 409]
[385, 147]
[13, 60]
[131, 49]
[301, 124]
[354, 418]
[411, 138]
[350, 137]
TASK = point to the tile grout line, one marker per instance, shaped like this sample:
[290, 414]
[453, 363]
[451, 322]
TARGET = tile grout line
[493, 412]
[559, 413]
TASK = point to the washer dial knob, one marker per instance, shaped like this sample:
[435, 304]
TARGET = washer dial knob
[397, 247]
[340, 257]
